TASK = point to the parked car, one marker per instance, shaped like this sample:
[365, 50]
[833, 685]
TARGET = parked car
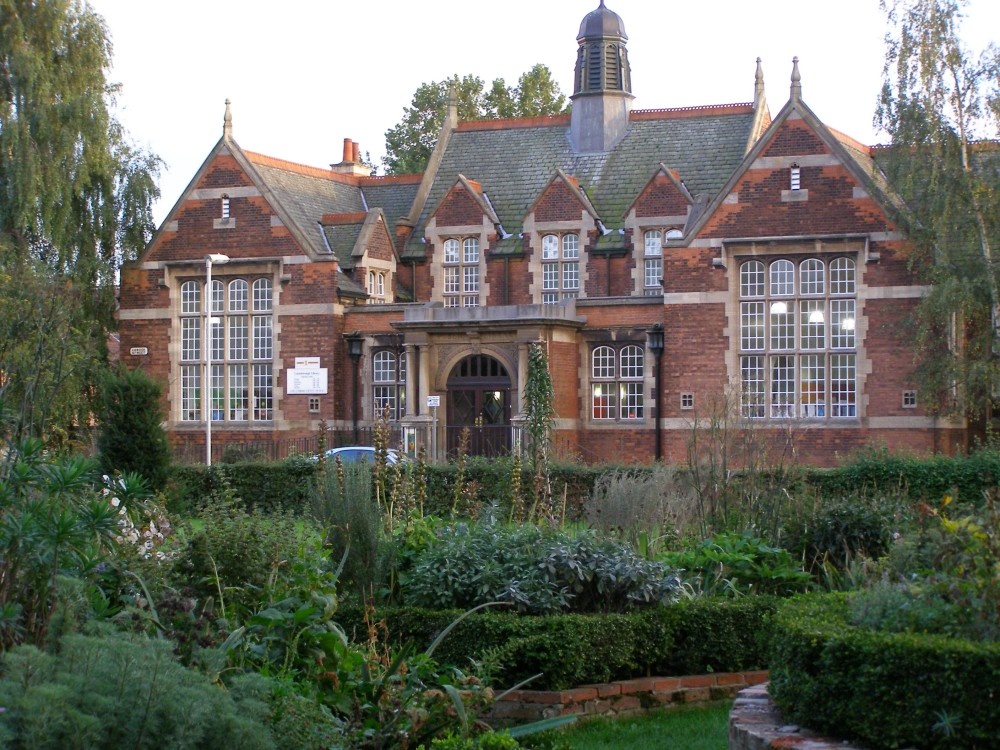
[350, 454]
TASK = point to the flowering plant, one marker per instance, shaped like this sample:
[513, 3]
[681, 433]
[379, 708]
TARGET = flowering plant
[142, 524]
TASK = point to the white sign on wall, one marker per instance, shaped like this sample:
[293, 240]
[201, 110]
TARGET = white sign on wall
[433, 401]
[312, 382]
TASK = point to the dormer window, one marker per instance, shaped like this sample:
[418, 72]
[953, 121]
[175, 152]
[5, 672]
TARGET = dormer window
[795, 178]
[225, 208]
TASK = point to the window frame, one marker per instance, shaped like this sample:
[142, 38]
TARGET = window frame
[388, 380]
[618, 383]
[462, 273]
[560, 267]
[797, 344]
[241, 340]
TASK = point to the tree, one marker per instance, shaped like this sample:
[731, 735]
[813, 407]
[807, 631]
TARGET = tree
[75, 201]
[132, 438]
[938, 102]
[409, 144]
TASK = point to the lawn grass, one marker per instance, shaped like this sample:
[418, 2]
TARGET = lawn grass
[704, 727]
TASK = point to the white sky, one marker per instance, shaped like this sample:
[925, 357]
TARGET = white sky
[305, 74]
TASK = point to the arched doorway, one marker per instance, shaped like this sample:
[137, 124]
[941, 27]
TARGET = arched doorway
[479, 399]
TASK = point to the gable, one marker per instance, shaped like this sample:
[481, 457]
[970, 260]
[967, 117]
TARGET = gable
[661, 197]
[199, 224]
[830, 197]
[558, 202]
[458, 208]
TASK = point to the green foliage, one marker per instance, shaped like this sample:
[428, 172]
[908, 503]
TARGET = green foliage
[270, 486]
[690, 637]
[53, 522]
[132, 438]
[539, 419]
[77, 198]
[938, 102]
[114, 691]
[353, 525]
[409, 144]
[234, 557]
[732, 564]
[647, 508]
[701, 727]
[534, 569]
[882, 689]
[839, 530]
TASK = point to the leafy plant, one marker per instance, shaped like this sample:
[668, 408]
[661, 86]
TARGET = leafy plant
[537, 570]
[111, 690]
[731, 564]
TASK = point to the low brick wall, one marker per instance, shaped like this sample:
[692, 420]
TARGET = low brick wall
[621, 698]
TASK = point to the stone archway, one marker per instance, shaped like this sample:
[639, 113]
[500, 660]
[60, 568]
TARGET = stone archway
[479, 399]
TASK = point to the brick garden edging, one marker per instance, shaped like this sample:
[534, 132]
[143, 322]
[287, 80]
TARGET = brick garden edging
[621, 698]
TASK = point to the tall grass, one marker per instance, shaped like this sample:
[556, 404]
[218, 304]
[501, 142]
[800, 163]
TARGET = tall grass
[685, 728]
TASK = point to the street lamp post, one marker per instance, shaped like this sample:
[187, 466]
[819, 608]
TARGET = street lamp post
[654, 342]
[217, 259]
[355, 342]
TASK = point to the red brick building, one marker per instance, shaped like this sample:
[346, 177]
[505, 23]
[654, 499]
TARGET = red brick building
[760, 249]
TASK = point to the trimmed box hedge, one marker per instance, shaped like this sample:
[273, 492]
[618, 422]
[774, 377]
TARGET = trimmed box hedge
[691, 637]
[884, 690]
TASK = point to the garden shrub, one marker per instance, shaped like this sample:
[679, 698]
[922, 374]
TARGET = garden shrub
[113, 691]
[732, 564]
[689, 637]
[233, 555]
[536, 570]
[844, 528]
[352, 525]
[283, 485]
[882, 689]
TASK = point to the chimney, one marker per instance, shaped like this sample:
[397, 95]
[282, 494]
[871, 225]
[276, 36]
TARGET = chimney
[352, 161]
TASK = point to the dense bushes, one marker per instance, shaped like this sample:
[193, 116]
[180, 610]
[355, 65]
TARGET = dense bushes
[877, 472]
[287, 485]
[115, 691]
[536, 570]
[886, 690]
[690, 637]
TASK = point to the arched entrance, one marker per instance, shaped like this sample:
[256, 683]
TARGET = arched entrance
[479, 399]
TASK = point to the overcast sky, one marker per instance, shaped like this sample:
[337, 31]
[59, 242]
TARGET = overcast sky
[303, 75]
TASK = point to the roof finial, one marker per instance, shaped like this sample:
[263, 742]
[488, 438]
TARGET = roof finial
[758, 83]
[227, 123]
[796, 91]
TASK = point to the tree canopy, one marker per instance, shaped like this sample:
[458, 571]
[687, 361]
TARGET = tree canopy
[409, 144]
[940, 104]
[75, 201]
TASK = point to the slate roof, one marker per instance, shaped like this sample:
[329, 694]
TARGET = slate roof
[513, 162]
[306, 193]
[342, 239]
[394, 195]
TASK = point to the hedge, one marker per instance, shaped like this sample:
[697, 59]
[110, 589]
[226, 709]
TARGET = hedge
[289, 484]
[883, 690]
[265, 486]
[694, 636]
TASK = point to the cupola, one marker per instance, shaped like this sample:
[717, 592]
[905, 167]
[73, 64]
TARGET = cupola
[602, 85]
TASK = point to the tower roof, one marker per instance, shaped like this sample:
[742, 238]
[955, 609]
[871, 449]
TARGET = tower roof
[600, 24]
